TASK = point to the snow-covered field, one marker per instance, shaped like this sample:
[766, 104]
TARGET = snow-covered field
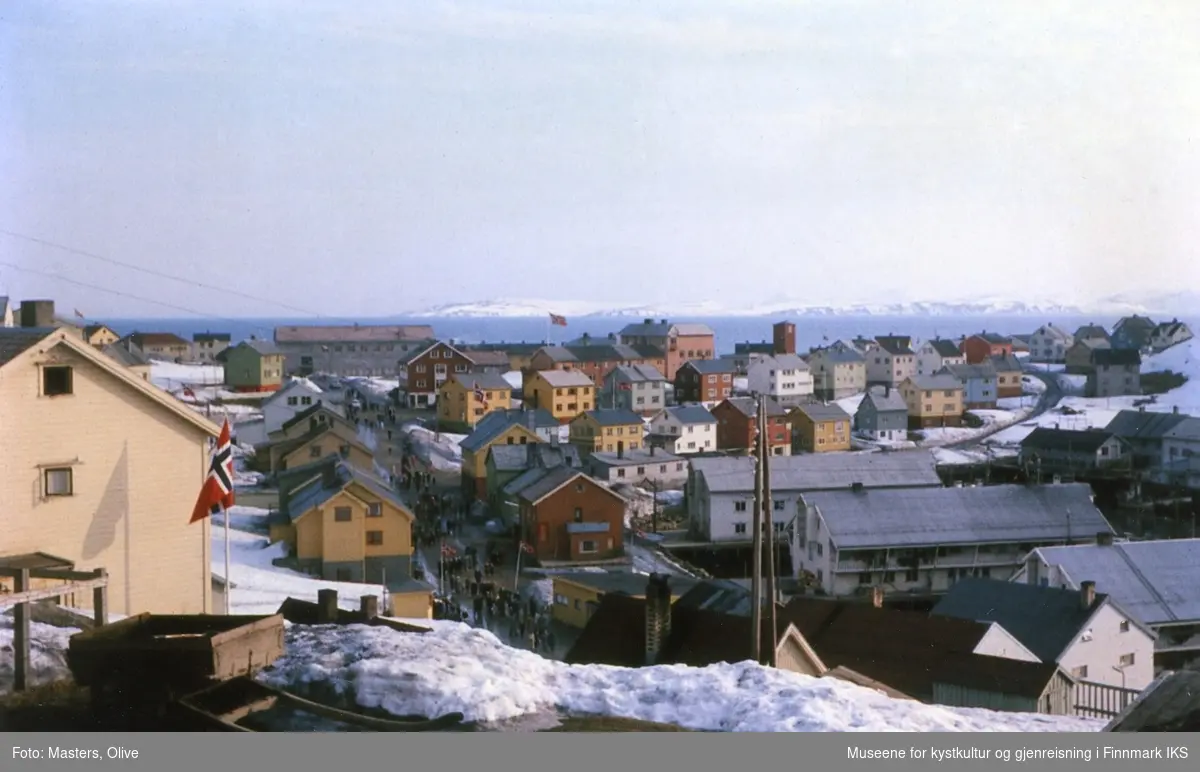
[200, 385]
[991, 419]
[438, 449]
[379, 387]
[458, 668]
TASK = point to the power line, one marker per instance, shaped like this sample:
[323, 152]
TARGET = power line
[128, 295]
[151, 271]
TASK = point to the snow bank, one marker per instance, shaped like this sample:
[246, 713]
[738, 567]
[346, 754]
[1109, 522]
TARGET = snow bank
[991, 420]
[850, 404]
[439, 450]
[47, 648]
[514, 378]
[171, 376]
[457, 668]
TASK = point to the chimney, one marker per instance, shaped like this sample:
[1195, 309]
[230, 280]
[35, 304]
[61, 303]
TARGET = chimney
[887, 390]
[369, 606]
[877, 596]
[1104, 538]
[652, 450]
[857, 487]
[648, 321]
[1141, 408]
[327, 607]
[1087, 594]
[1175, 409]
[612, 336]
[37, 313]
[662, 321]
[658, 616]
[586, 338]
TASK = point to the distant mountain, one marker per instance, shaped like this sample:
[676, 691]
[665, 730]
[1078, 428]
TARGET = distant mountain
[512, 308]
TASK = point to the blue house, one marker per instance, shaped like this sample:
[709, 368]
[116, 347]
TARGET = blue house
[979, 384]
[882, 415]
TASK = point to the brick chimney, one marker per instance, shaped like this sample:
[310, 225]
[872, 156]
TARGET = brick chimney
[648, 321]
[1104, 538]
[784, 338]
[658, 615]
[1087, 594]
[37, 313]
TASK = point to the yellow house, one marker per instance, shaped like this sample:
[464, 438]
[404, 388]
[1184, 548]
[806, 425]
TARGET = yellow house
[564, 393]
[308, 419]
[578, 594]
[325, 439]
[99, 335]
[162, 345]
[495, 431]
[820, 428]
[607, 431]
[344, 525]
[464, 399]
[933, 400]
[102, 469]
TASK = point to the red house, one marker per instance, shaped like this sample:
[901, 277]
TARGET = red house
[737, 430]
[567, 516]
[984, 345]
[427, 370]
[704, 380]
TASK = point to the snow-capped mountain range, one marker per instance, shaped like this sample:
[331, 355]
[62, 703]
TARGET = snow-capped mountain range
[1180, 303]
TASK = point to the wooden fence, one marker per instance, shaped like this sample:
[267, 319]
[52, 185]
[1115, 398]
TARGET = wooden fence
[23, 595]
[1096, 700]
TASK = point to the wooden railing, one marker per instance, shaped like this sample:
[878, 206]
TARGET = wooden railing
[1096, 700]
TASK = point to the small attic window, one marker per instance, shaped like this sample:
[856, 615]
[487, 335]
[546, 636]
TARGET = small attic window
[57, 381]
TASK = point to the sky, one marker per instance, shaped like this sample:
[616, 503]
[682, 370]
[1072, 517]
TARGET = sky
[377, 157]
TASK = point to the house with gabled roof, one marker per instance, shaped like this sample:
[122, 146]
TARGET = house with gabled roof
[683, 430]
[837, 371]
[596, 359]
[737, 426]
[640, 388]
[1049, 343]
[505, 463]
[1009, 375]
[1154, 580]
[979, 382]
[99, 335]
[786, 377]
[359, 349]
[563, 393]
[102, 470]
[936, 353]
[703, 381]
[882, 415]
[1086, 633]
[933, 400]
[679, 341]
[1167, 334]
[320, 413]
[606, 430]
[126, 353]
[253, 366]
[1180, 462]
[984, 345]
[1133, 332]
[294, 397]
[568, 517]
[166, 346]
[425, 371]
[464, 399]
[317, 442]
[1115, 372]
[820, 428]
[923, 540]
[507, 427]
[1143, 431]
[207, 346]
[1078, 358]
[1048, 451]
[1091, 332]
[890, 360]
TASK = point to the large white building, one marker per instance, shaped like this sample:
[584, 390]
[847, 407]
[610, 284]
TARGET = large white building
[720, 490]
[923, 540]
[786, 377]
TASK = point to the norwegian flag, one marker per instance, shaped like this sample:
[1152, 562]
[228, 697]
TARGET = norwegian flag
[558, 321]
[479, 395]
[527, 548]
[448, 551]
[217, 492]
[625, 386]
[188, 392]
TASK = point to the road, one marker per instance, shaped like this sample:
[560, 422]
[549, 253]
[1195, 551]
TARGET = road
[1048, 399]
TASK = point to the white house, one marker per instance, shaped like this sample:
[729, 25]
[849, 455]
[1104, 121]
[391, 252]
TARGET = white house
[890, 361]
[1049, 343]
[923, 540]
[783, 376]
[297, 395]
[720, 489]
[651, 465]
[1086, 633]
[684, 430]
[936, 353]
[1154, 580]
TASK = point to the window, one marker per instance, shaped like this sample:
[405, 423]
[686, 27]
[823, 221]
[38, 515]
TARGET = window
[739, 528]
[620, 473]
[375, 509]
[587, 546]
[314, 451]
[561, 600]
[57, 381]
[864, 578]
[911, 575]
[374, 538]
[1126, 660]
[578, 514]
[342, 515]
[779, 505]
[59, 481]
[739, 506]
[342, 575]
[306, 400]
[1125, 626]
[293, 401]
[1079, 672]
[420, 368]
[641, 471]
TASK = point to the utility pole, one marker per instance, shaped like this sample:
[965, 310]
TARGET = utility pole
[756, 524]
[769, 527]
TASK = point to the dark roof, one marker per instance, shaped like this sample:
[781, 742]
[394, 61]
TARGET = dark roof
[487, 357]
[545, 455]
[763, 347]
[1143, 425]
[637, 374]
[144, 339]
[720, 595]
[983, 371]
[1091, 331]
[691, 414]
[15, 341]
[939, 380]
[944, 348]
[218, 337]
[306, 612]
[1044, 619]
[897, 345]
[614, 416]
[324, 486]
[993, 338]
[1119, 357]
[1136, 322]
[605, 352]
[884, 400]
[308, 412]
[1170, 704]
[748, 406]
[709, 366]
[496, 422]
[263, 347]
[1070, 440]
[551, 481]
[623, 582]
[518, 349]
[1006, 363]
[818, 412]
[127, 353]
[919, 649]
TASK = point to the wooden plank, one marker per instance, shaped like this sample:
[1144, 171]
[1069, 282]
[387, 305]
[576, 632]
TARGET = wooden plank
[100, 599]
[62, 573]
[28, 596]
[21, 649]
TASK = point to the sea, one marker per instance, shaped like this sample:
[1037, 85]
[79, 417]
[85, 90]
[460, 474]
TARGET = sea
[810, 331]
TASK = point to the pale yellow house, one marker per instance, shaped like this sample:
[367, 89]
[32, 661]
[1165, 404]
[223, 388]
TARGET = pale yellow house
[563, 393]
[820, 428]
[162, 345]
[577, 595]
[325, 439]
[475, 452]
[99, 335]
[308, 419]
[607, 431]
[101, 470]
[464, 399]
[933, 400]
[343, 524]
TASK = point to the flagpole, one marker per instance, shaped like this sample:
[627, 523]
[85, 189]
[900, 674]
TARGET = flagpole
[228, 580]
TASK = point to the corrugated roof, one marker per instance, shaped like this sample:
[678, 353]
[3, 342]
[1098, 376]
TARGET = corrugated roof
[944, 348]
[822, 471]
[496, 422]
[1070, 440]
[918, 517]
[638, 374]
[1044, 619]
[1155, 581]
[818, 412]
[548, 483]
[370, 333]
[1143, 425]
[607, 416]
[565, 378]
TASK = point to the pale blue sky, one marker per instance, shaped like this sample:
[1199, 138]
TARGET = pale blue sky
[340, 155]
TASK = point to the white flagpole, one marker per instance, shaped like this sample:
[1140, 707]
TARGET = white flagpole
[228, 579]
